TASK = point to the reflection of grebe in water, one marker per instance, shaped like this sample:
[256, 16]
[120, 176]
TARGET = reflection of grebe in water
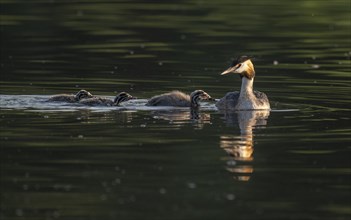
[178, 117]
[240, 148]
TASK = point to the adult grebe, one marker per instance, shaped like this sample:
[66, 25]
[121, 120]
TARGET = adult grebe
[247, 98]
[99, 101]
[82, 94]
[179, 99]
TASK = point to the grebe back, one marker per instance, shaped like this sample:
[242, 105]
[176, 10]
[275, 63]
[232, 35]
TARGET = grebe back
[100, 101]
[179, 99]
[82, 94]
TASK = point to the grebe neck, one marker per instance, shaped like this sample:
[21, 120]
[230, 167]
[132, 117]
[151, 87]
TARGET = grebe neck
[246, 87]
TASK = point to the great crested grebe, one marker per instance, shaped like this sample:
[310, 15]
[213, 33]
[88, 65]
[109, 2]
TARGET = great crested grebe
[96, 101]
[179, 99]
[82, 94]
[247, 98]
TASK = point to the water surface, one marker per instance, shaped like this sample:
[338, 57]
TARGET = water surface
[67, 161]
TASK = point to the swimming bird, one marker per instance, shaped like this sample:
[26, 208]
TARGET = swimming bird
[96, 101]
[179, 99]
[247, 98]
[82, 94]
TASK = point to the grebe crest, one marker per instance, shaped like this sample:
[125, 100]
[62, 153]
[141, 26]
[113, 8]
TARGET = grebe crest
[243, 66]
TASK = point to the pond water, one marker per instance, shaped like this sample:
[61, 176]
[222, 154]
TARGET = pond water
[68, 161]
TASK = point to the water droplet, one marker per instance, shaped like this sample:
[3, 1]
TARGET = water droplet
[103, 197]
[68, 187]
[37, 186]
[315, 66]
[19, 212]
[191, 185]
[230, 196]
[80, 136]
[118, 181]
[25, 187]
[160, 63]
[275, 62]
[163, 191]
[56, 214]
[131, 52]
[80, 13]
[46, 116]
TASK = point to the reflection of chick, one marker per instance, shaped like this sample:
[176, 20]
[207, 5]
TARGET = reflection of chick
[82, 94]
[178, 117]
[98, 101]
[179, 99]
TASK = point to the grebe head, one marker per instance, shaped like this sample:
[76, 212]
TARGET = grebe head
[122, 97]
[198, 95]
[83, 94]
[243, 66]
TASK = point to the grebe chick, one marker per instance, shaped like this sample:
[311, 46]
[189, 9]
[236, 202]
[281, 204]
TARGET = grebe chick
[82, 94]
[247, 98]
[179, 99]
[96, 101]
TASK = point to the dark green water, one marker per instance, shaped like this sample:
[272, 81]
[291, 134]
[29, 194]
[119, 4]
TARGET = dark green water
[136, 163]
